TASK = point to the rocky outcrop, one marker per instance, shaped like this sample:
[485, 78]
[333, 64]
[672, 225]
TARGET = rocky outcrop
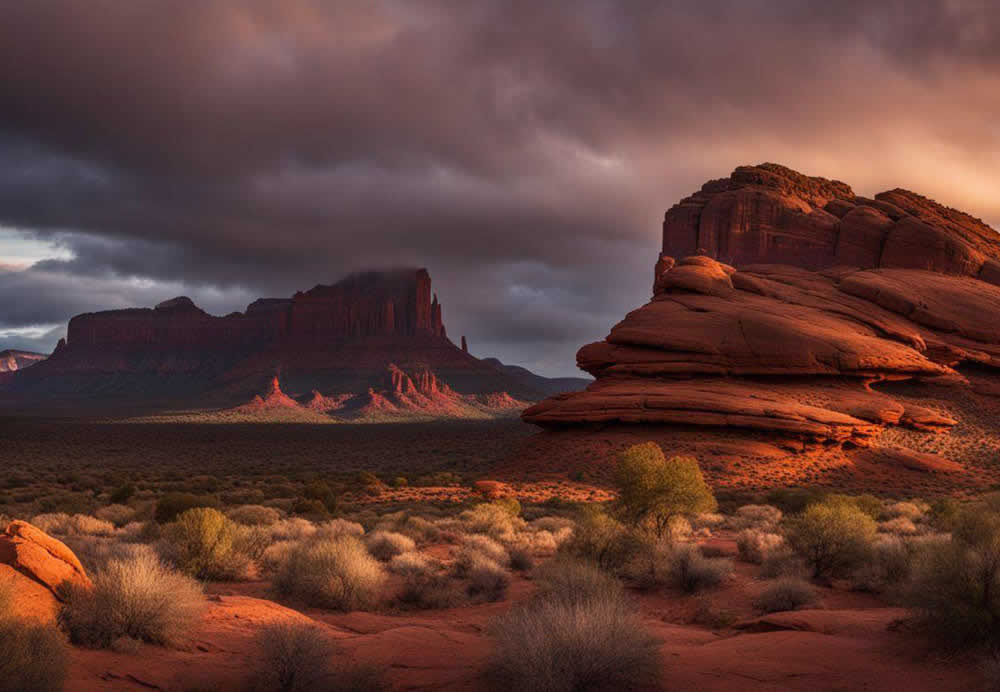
[790, 310]
[12, 359]
[34, 566]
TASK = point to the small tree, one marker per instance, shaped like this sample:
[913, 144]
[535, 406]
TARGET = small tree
[652, 490]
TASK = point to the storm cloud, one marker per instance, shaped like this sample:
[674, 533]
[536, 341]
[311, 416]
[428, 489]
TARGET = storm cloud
[524, 152]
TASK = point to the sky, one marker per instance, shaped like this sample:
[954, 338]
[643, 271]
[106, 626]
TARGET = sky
[523, 151]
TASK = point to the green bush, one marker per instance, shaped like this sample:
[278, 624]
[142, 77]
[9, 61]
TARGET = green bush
[869, 504]
[204, 543]
[321, 491]
[605, 541]
[135, 597]
[831, 538]
[653, 490]
[331, 573]
[173, 504]
[955, 586]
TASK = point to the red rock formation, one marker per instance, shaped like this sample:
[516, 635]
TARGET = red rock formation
[854, 293]
[12, 359]
[36, 555]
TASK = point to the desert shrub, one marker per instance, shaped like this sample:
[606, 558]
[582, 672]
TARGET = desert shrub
[410, 563]
[119, 515]
[552, 524]
[707, 521]
[254, 515]
[869, 504]
[487, 580]
[171, 505]
[793, 500]
[275, 555]
[384, 545]
[909, 510]
[476, 546]
[782, 562]
[320, 491]
[33, 655]
[605, 541]
[430, 592]
[955, 585]
[887, 566]
[204, 543]
[420, 529]
[687, 569]
[298, 657]
[521, 559]
[339, 527]
[492, 519]
[292, 529]
[831, 537]
[137, 597]
[653, 490]
[554, 646]
[944, 513]
[761, 517]
[571, 581]
[900, 526]
[314, 509]
[331, 573]
[122, 494]
[787, 593]
[76, 525]
[755, 545]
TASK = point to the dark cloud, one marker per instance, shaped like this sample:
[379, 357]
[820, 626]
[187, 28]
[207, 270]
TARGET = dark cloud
[523, 151]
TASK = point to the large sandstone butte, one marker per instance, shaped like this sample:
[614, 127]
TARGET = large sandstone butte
[799, 333]
[328, 342]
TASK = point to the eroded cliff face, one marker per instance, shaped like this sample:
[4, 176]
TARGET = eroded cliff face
[842, 324]
[336, 340]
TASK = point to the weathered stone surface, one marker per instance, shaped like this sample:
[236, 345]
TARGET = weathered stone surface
[831, 297]
[33, 553]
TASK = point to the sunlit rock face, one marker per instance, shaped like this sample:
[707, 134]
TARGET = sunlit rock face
[327, 342]
[792, 318]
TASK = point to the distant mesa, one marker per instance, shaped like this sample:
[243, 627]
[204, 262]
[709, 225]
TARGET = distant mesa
[11, 360]
[378, 332]
[793, 324]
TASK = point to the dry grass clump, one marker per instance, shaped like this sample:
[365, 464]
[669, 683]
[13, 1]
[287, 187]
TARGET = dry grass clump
[411, 563]
[900, 526]
[569, 580]
[687, 569]
[761, 517]
[119, 515]
[787, 593]
[137, 597]
[832, 537]
[430, 592]
[254, 515]
[782, 562]
[487, 580]
[276, 554]
[61, 524]
[573, 642]
[33, 655]
[298, 657]
[887, 567]
[385, 545]
[494, 519]
[913, 510]
[292, 529]
[754, 545]
[521, 559]
[333, 573]
[339, 527]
